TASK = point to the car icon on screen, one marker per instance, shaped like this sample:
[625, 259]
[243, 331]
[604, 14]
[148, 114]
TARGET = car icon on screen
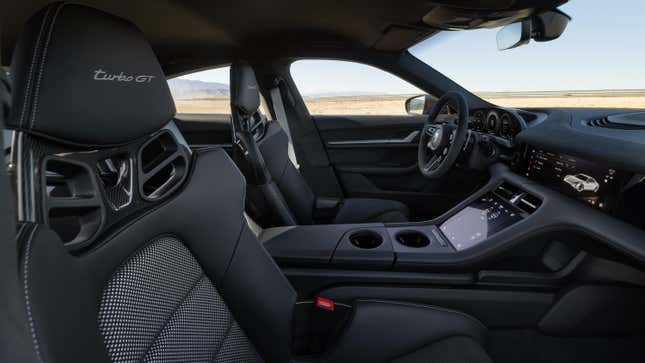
[582, 183]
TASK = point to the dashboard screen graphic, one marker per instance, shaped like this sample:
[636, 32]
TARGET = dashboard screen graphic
[582, 179]
[480, 220]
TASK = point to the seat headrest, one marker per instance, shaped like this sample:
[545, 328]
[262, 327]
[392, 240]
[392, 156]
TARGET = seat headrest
[86, 77]
[245, 93]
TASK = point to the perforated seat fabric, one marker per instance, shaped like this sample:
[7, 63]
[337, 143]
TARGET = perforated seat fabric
[160, 306]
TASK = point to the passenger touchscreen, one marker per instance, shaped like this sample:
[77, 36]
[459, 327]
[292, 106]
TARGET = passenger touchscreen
[584, 180]
[480, 220]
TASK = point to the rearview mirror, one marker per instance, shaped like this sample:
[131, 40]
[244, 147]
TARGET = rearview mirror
[514, 35]
[550, 25]
[542, 28]
[419, 105]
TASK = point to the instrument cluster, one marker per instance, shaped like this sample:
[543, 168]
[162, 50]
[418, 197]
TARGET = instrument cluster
[496, 122]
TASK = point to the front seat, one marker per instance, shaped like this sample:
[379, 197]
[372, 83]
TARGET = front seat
[162, 266]
[278, 193]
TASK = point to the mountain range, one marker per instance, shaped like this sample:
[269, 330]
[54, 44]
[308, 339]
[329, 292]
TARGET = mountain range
[186, 89]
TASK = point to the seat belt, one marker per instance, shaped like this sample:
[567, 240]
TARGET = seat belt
[281, 117]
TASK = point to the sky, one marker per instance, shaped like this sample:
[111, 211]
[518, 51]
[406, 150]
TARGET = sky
[603, 47]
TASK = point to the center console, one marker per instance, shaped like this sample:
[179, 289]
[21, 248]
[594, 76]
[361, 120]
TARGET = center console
[377, 246]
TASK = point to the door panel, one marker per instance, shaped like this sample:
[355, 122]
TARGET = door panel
[376, 156]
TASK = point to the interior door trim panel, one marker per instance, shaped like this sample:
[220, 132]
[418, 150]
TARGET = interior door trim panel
[409, 139]
[378, 170]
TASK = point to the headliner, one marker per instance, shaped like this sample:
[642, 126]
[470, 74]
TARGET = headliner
[190, 34]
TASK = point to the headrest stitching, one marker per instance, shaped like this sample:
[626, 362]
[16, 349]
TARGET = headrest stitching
[41, 69]
[31, 68]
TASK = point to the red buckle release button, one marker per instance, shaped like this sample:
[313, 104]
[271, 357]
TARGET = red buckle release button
[323, 303]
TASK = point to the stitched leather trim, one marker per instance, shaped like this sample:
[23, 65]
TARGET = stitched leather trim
[25, 276]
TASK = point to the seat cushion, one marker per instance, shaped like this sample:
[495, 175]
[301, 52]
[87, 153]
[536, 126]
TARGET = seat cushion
[386, 331]
[449, 350]
[369, 210]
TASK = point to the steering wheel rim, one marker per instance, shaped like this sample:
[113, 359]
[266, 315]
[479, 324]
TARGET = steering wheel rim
[440, 144]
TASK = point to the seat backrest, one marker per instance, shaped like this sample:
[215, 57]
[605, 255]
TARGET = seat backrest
[133, 248]
[15, 339]
[289, 188]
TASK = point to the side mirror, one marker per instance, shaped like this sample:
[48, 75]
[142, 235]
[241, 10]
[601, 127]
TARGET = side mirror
[542, 28]
[419, 105]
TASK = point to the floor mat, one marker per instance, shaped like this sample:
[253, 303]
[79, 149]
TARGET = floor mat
[530, 346]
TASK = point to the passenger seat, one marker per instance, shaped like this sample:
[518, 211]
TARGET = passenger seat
[169, 272]
[278, 193]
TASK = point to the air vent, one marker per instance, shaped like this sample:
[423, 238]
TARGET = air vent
[116, 176]
[528, 203]
[163, 164]
[72, 205]
[630, 121]
[598, 122]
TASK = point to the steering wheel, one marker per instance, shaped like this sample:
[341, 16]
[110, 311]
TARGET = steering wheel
[440, 143]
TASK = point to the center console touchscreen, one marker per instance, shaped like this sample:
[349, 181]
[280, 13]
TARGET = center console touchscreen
[480, 220]
[581, 179]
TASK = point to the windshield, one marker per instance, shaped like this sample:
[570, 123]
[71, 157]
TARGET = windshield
[599, 61]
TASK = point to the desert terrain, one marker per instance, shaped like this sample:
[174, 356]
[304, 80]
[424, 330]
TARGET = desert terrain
[395, 104]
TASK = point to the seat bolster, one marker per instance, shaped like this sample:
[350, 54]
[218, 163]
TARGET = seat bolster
[380, 331]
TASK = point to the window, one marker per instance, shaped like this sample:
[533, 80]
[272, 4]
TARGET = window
[597, 62]
[331, 87]
[204, 92]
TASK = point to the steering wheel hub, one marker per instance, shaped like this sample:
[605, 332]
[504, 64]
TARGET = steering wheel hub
[437, 137]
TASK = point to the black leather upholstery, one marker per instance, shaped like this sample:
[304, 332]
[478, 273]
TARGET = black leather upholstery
[273, 160]
[75, 66]
[88, 297]
[181, 279]
[255, 291]
[245, 93]
[368, 210]
[380, 331]
[15, 338]
[456, 349]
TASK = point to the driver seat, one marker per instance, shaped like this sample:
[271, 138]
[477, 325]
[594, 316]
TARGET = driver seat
[277, 193]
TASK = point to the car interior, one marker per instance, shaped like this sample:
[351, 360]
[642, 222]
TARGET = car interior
[460, 231]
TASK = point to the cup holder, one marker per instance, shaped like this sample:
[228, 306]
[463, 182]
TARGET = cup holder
[412, 239]
[366, 239]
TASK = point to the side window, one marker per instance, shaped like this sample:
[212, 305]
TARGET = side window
[203, 92]
[332, 87]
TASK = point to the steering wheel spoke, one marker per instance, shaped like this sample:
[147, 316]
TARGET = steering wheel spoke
[441, 143]
[434, 162]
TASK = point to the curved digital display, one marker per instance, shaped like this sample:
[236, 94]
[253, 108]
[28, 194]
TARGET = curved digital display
[584, 180]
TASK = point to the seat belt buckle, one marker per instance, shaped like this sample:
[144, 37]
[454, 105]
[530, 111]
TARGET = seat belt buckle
[324, 303]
